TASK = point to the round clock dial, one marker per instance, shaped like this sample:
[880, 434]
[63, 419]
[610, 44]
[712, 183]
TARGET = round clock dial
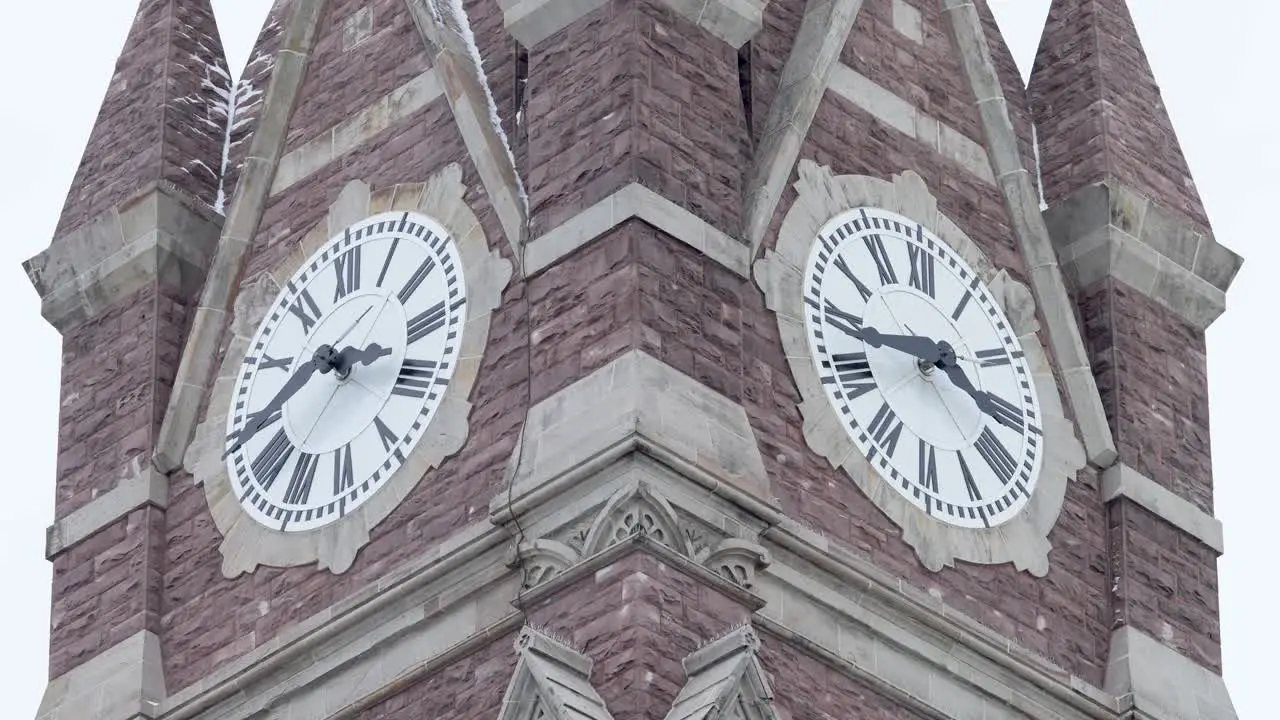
[922, 368]
[346, 371]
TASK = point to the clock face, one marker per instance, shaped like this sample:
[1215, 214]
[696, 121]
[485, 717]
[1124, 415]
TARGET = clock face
[344, 375]
[923, 369]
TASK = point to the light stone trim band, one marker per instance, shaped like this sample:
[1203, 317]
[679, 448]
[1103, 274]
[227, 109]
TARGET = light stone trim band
[347, 136]
[1120, 480]
[1023, 203]
[899, 114]
[123, 682]
[141, 486]
[1109, 230]
[456, 597]
[638, 201]
[446, 33]
[532, 21]
[824, 31]
[247, 206]
[156, 236]
[1160, 684]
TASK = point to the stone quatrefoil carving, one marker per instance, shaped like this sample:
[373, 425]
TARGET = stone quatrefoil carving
[638, 510]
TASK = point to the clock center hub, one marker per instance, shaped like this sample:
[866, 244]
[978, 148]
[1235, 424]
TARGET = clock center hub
[918, 391]
[347, 395]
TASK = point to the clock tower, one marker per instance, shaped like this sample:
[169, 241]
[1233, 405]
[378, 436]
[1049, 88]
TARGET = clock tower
[634, 359]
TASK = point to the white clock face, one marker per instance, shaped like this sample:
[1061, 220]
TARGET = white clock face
[345, 373]
[923, 369]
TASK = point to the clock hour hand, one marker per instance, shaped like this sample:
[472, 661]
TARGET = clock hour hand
[264, 416]
[919, 347]
[349, 356]
[982, 398]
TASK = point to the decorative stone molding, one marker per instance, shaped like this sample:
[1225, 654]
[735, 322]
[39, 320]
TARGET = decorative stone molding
[1155, 682]
[636, 201]
[248, 203]
[1108, 230]
[1022, 201]
[347, 136]
[159, 236]
[532, 21]
[636, 510]
[1022, 540]
[634, 402]
[552, 681]
[124, 682]
[455, 60]
[1120, 480]
[815, 52]
[725, 681]
[738, 561]
[247, 543]
[140, 486]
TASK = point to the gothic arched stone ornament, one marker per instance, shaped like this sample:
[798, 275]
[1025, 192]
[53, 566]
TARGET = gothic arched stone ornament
[1023, 538]
[248, 543]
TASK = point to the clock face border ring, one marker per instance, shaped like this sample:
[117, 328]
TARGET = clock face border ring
[1023, 540]
[246, 542]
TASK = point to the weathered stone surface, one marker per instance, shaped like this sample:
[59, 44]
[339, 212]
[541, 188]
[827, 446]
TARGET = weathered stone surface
[1099, 113]
[162, 117]
[625, 77]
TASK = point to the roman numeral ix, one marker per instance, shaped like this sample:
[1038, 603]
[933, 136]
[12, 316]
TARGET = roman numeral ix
[415, 377]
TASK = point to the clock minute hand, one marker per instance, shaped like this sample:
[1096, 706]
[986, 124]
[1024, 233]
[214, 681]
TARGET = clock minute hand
[914, 345]
[258, 419]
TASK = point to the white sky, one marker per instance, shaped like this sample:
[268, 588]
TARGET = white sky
[1218, 75]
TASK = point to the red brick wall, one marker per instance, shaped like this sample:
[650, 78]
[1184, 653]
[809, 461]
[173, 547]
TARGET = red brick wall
[809, 690]
[612, 101]
[1100, 113]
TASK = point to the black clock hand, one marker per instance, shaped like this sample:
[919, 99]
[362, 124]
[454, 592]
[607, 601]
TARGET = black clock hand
[914, 345]
[349, 356]
[259, 419]
[982, 398]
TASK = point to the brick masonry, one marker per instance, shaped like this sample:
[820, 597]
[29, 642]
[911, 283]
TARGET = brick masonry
[611, 101]
[629, 93]
[1099, 110]
[1101, 119]
[157, 120]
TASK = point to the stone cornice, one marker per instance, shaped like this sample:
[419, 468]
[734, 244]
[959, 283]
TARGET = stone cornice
[159, 235]
[1122, 481]
[1107, 230]
[532, 21]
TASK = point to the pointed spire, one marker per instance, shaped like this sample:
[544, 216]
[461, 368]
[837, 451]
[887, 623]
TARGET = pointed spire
[552, 681]
[725, 681]
[163, 117]
[1098, 110]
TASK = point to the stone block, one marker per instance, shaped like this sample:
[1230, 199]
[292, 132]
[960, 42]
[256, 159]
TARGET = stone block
[1162, 684]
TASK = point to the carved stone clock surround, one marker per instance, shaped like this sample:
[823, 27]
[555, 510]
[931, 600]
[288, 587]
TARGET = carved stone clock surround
[1022, 540]
[247, 543]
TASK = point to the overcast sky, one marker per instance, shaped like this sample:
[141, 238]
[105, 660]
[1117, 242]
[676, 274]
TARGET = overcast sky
[1217, 69]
